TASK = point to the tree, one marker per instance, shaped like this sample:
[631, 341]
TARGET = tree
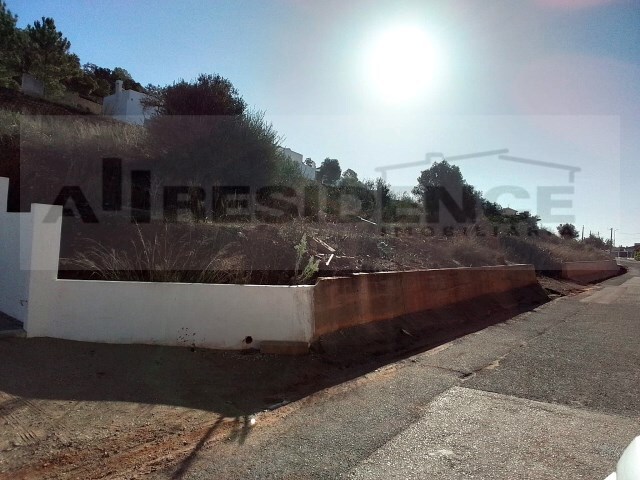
[202, 135]
[82, 83]
[443, 184]
[385, 198]
[348, 173]
[491, 210]
[329, 171]
[596, 242]
[207, 95]
[568, 231]
[10, 41]
[106, 79]
[46, 56]
[215, 150]
[103, 88]
[524, 223]
[350, 179]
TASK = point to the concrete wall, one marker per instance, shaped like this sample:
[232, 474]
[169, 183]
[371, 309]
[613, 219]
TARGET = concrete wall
[89, 106]
[32, 86]
[221, 316]
[586, 272]
[214, 316]
[15, 253]
[346, 302]
[74, 100]
[204, 315]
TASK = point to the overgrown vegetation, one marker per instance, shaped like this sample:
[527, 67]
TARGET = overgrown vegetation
[207, 95]
[362, 221]
[165, 257]
[205, 139]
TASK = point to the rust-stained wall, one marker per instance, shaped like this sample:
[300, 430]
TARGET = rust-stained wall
[586, 272]
[364, 298]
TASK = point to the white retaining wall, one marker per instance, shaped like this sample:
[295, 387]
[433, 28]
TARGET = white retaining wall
[15, 254]
[213, 316]
[203, 315]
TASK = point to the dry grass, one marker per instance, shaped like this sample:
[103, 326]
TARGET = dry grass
[166, 256]
[547, 252]
[50, 151]
[67, 149]
[266, 253]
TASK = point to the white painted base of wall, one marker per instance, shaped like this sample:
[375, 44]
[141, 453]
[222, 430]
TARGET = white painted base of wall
[203, 315]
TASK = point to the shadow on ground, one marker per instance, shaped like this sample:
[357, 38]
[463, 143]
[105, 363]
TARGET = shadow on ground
[233, 384]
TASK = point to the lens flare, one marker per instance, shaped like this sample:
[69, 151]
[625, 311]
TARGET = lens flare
[404, 63]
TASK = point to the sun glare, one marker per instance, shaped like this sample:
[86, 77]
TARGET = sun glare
[404, 64]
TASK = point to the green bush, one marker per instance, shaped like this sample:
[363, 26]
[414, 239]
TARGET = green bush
[637, 256]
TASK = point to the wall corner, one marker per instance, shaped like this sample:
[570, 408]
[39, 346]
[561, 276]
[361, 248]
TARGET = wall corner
[43, 265]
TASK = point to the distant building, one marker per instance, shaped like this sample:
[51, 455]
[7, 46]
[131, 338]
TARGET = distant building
[127, 106]
[509, 212]
[626, 252]
[308, 171]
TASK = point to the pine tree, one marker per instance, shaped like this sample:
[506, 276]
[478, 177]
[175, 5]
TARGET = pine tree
[47, 57]
[10, 38]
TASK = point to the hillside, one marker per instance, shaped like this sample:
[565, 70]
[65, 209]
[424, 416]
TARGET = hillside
[200, 249]
[15, 101]
[263, 253]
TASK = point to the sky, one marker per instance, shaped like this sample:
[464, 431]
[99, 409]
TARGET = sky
[382, 83]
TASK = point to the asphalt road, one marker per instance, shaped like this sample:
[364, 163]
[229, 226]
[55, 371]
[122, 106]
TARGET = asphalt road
[549, 394]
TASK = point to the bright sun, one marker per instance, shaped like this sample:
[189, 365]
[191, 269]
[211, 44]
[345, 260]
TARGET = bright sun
[404, 64]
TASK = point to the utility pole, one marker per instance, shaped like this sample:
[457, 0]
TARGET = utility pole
[582, 239]
[611, 240]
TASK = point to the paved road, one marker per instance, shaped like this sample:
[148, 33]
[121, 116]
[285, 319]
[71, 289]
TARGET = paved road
[550, 394]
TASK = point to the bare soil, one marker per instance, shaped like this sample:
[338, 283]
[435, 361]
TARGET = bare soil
[84, 410]
[556, 287]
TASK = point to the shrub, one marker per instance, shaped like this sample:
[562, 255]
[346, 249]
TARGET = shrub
[170, 255]
[207, 95]
[311, 267]
[215, 150]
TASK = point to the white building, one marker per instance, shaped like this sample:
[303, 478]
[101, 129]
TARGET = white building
[127, 106]
[308, 171]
